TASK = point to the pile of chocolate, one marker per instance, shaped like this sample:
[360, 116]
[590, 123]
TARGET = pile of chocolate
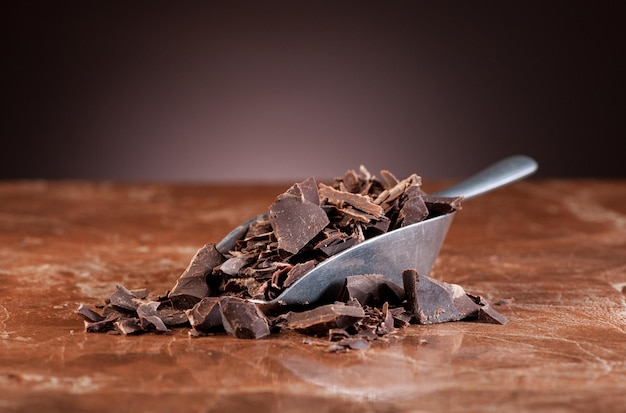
[306, 225]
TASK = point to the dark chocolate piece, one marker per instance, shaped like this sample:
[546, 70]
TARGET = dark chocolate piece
[296, 221]
[206, 316]
[233, 265]
[192, 285]
[123, 298]
[128, 326]
[431, 301]
[487, 314]
[371, 289]
[88, 314]
[243, 319]
[172, 317]
[414, 208]
[297, 272]
[441, 205]
[306, 189]
[361, 202]
[389, 180]
[321, 319]
[149, 316]
[102, 326]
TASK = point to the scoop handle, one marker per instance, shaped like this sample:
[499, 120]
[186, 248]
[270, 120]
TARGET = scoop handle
[501, 173]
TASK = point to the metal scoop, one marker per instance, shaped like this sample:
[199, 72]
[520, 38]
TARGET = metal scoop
[415, 246]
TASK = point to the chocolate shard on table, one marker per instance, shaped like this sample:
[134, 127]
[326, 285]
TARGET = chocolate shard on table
[323, 318]
[486, 313]
[102, 326]
[431, 301]
[206, 316]
[192, 285]
[88, 314]
[243, 319]
[128, 326]
[371, 290]
[123, 299]
[149, 317]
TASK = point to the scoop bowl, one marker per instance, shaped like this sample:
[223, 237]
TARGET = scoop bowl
[415, 246]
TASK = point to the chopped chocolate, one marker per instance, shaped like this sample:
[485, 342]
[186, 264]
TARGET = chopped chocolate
[233, 265]
[441, 205]
[172, 317]
[149, 316]
[88, 314]
[306, 225]
[401, 317]
[487, 314]
[206, 316]
[389, 180]
[361, 202]
[123, 299]
[243, 319]
[192, 285]
[414, 208]
[296, 221]
[306, 189]
[352, 343]
[320, 319]
[297, 272]
[371, 290]
[128, 326]
[101, 326]
[431, 301]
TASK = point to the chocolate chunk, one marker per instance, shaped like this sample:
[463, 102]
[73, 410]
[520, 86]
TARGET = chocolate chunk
[487, 314]
[296, 221]
[206, 316]
[172, 317]
[389, 180]
[306, 189]
[192, 285]
[149, 317]
[233, 265]
[320, 319]
[298, 272]
[401, 317]
[361, 202]
[441, 205]
[431, 301]
[243, 319]
[414, 208]
[102, 326]
[335, 241]
[371, 290]
[88, 314]
[123, 298]
[128, 326]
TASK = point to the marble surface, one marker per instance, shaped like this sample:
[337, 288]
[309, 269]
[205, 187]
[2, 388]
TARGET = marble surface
[553, 251]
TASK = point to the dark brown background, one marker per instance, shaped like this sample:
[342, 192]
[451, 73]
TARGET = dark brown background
[277, 91]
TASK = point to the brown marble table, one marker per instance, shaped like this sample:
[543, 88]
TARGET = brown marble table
[554, 251]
